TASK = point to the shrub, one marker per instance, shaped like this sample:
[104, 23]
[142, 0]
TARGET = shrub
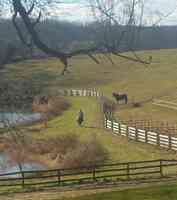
[50, 105]
[62, 152]
[85, 154]
[137, 104]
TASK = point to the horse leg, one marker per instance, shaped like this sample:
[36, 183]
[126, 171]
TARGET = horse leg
[126, 100]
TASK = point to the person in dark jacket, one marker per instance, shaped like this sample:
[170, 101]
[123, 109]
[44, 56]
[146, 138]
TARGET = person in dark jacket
[80, 119]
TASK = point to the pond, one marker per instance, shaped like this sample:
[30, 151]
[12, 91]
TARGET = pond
[7, 167]
[7, 118]
[15, 118]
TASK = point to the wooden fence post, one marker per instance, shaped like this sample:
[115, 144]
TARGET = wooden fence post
[89, 94]
[94, 174]
[136, 134]
[127, 132]
[23, 179]
[59, 177]
[71, 93]
[161, 170]
[158, 139]
[119, 128]
[105, 122]
[77, 93]
[169, 140]
[128, 171]
[146, 136]
[112, 125]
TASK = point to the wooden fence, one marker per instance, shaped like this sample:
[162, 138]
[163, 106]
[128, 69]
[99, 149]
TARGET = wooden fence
[163, 127]
[80, 92]
[99, 173]
[139, 135]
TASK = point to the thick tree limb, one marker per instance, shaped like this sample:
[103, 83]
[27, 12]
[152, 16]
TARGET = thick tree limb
[18, 29]
[38, 19]
[93, 58]
[31, 9]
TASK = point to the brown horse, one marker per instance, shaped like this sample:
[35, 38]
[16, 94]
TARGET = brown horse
[120, 97]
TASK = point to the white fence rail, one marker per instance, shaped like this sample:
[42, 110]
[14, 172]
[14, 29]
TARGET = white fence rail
[80, 92]
[149, 137]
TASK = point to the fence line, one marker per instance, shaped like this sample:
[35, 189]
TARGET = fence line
[80, 92]
[139, 135]
[165, 104]
[89, 174]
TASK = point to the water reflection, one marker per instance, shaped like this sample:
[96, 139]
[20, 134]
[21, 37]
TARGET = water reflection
[7, 167]
[7, 118]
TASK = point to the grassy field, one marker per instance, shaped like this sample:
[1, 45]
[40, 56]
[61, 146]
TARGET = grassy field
[119, 148]
[167, 192]
[148, 192]
[140, 82]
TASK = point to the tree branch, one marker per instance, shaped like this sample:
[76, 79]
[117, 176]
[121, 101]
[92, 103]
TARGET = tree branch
[130, 58]
[31, 9]
[18, 29]
[38, 19]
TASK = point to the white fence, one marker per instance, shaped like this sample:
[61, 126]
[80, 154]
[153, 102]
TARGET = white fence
[149, 137]
[165, 104]
[80, 92]
[139, 135]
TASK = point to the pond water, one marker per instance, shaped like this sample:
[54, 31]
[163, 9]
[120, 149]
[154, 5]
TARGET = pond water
[7, 167]
[7, 118]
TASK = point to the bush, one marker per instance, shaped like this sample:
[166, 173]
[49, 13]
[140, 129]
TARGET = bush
[137, 104]
[62, 152]
[50, 106]
[85, 154]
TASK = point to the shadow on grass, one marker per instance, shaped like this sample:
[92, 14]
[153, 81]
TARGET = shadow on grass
[91, 127]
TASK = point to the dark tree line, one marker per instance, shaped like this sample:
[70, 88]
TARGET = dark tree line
[66, 36]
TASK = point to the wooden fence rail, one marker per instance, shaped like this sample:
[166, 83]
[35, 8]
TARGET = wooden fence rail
[115, 171]
[165, 141]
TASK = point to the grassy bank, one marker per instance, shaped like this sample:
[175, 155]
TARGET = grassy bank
[155, 192]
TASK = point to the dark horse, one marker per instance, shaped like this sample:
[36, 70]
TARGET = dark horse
[120, 97]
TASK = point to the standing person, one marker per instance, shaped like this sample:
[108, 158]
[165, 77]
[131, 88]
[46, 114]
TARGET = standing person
[80, 117]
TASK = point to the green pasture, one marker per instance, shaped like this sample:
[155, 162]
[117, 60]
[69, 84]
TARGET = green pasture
[119, 148]
[166, 192]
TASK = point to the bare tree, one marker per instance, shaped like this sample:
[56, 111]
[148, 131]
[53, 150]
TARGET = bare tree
[117, 19]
